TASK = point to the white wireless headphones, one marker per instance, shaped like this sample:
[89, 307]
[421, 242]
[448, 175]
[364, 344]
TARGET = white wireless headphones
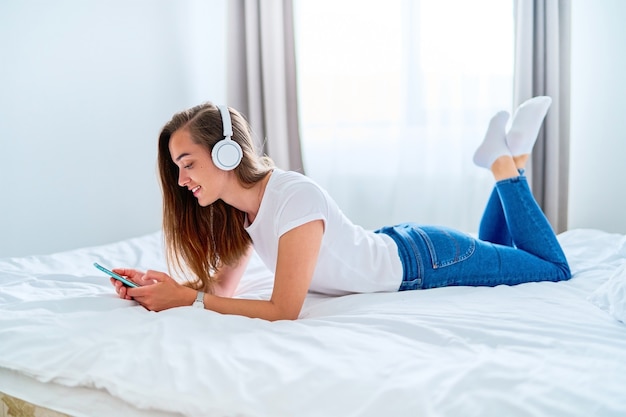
[226, 153]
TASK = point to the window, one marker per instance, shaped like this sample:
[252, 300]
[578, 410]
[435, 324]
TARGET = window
[394, 97]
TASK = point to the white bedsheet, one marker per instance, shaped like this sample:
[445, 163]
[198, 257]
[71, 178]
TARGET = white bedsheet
[540, 349]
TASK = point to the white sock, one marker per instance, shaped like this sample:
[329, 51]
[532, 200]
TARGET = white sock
[526, 123]
[494, 143]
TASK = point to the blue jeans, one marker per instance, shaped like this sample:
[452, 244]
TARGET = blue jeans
[516, 244]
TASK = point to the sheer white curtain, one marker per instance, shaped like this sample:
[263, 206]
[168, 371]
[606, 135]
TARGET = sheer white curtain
[394, 97]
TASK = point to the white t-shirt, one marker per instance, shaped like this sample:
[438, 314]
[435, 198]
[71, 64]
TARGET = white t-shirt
[351, 259]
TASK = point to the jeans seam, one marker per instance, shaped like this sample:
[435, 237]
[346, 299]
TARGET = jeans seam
[419, 276]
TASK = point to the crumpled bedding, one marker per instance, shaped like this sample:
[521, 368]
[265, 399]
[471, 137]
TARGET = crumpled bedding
[537, 349]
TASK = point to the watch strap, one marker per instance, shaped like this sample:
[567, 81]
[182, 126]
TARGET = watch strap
[199, 302]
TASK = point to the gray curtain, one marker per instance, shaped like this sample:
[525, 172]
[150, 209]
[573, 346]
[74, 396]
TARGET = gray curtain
[262, 76]
[542, 67]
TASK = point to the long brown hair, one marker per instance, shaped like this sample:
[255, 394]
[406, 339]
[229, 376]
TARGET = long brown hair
[198, 240]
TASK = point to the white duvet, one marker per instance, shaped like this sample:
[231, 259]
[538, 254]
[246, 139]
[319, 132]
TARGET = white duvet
[539, 349]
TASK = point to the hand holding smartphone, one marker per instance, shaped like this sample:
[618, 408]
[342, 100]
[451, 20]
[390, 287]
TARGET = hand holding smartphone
[118, 277]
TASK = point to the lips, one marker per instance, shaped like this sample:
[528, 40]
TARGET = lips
[195, 190]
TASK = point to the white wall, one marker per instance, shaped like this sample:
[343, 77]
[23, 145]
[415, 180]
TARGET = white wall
[598, 128]
[85, 87]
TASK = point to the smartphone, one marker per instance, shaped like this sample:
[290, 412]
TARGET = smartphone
[112, 274]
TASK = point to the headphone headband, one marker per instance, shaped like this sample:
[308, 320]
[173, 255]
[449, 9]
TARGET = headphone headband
[228, 127]
[226, 153]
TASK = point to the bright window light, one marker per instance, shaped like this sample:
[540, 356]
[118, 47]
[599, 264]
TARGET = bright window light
[401, 91]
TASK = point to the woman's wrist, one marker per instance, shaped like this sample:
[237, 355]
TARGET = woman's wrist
[188, 296]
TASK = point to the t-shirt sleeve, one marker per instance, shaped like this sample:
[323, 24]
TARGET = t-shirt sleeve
[302, 204]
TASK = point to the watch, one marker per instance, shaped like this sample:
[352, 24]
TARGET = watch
[199, 303]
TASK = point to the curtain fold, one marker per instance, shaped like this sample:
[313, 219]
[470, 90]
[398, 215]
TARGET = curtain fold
[261, 76]
[542, 67]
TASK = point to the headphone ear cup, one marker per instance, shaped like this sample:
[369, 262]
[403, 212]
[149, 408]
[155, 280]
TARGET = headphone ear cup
[226, 154]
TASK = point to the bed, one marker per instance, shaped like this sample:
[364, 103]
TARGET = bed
[69, 346]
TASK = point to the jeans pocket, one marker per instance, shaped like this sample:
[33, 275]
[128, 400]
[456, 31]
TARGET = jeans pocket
[446, 246]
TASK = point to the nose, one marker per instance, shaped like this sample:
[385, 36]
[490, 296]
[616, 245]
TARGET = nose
[182, 178]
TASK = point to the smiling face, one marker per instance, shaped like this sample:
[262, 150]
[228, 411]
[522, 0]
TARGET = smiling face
[196, 170]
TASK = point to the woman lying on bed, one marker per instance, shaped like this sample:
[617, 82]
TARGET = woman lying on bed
[220, 199]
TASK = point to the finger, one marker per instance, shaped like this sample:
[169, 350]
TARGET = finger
[138, 292]
[155, 276]
[116, 284]
[121, 290]
[127, 272]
